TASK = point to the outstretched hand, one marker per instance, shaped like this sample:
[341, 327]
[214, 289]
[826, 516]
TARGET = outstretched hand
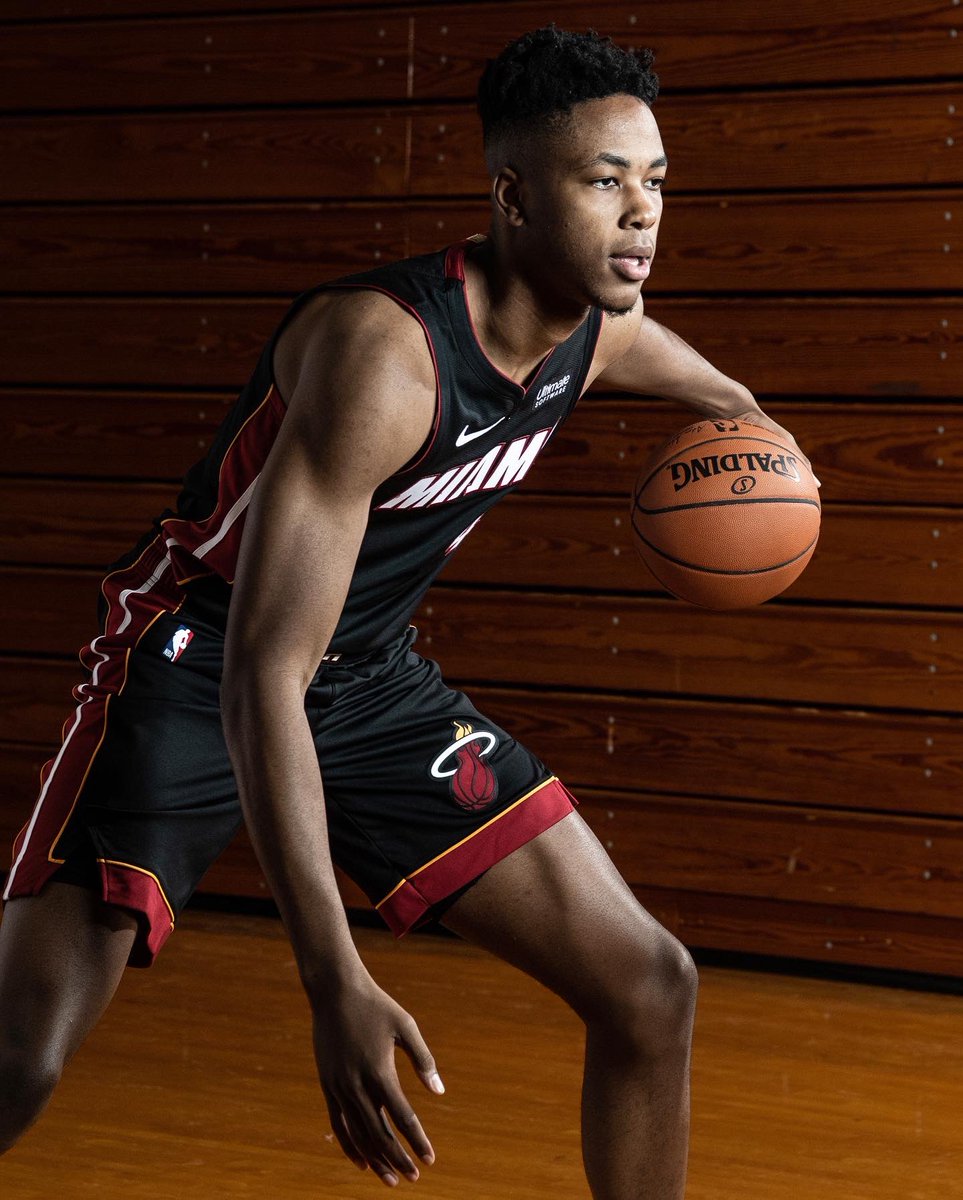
[755, 416]
[355, 1035]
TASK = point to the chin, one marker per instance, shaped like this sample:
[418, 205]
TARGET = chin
[614, 307]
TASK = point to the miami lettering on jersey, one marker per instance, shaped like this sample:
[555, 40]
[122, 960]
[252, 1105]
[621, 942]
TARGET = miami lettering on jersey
[502, 466]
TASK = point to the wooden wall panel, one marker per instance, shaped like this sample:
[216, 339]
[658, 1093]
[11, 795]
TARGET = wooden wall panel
[794, 139]
[45, 431]
[807, 347]
[281, 248]
[774, 243]
[783, 780]
[713, 43]
[215, 155]
[891, 453]
[889, 659]
[848, 759]
[901, 556]
[770, 243]
[274, 59]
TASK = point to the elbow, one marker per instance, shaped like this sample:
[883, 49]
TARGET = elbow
[252, 691]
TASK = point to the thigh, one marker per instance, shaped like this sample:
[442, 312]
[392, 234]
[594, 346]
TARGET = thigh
[423, 792]
[560, 911]
[62, 954]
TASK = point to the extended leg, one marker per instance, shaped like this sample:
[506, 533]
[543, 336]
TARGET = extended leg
[559, 911]
[62, 954]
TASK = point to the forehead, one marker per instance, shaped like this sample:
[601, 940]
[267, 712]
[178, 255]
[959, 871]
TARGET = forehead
[620, 125]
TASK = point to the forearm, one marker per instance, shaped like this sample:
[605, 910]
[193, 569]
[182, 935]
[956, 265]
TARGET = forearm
[279, 783]
[673, 369]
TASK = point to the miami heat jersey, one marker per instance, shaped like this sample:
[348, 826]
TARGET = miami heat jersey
[488, 431]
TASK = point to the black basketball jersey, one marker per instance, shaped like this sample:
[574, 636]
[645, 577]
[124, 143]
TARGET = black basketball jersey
[487, 432]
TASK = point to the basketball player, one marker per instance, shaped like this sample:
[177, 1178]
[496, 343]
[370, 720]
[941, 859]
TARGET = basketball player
[256, 658]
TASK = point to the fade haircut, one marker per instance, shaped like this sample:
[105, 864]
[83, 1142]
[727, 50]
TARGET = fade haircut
[541, 76]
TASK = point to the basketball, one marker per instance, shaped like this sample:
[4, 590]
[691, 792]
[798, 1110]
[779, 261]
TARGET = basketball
[726, 514]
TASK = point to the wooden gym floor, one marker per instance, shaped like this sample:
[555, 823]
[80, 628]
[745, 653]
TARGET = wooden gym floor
[198, 1085]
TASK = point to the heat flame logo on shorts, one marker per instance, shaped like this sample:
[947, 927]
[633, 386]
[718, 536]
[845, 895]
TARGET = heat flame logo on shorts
[473, 782]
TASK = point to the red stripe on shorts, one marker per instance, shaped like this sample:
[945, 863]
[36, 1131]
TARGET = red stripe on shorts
[522, 821]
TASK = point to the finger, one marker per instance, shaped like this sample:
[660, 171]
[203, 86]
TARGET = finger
[406, 1122]
[376, 1140]
[340, 1130]
[414, 1045]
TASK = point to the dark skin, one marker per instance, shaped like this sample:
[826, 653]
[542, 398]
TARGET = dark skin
[564, 221]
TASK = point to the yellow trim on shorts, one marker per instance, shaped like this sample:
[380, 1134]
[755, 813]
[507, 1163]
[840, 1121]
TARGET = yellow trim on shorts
[474, 833]
[114, 862]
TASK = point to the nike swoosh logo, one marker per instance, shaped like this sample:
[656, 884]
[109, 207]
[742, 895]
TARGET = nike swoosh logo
[465, 437]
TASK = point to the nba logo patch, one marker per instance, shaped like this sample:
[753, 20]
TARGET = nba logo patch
[178, 643]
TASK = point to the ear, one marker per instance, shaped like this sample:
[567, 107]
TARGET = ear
[507, 196]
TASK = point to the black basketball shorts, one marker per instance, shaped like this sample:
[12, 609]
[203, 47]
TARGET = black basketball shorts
[423, 793]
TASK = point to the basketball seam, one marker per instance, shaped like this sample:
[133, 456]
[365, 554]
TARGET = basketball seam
[703, 570]
[655, 512]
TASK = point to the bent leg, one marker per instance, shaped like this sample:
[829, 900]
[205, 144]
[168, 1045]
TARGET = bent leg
[558, 909]
[62, 954]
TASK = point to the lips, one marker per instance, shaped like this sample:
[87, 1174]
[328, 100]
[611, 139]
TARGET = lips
[633, 266]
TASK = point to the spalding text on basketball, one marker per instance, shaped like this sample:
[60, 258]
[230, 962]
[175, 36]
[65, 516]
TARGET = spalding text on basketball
[686, 472]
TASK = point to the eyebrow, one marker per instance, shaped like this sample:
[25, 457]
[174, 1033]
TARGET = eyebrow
[616, 160]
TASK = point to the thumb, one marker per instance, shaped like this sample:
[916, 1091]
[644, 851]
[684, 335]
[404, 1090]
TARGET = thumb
[422, 1060]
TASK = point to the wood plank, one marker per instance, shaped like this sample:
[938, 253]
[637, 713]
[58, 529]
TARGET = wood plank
[885, 452]
[790, 346]
[856, 657]
[262, 59]
[857, 760]
[890, 556]
[895, 941]
[765, 140]
[854, 137]
[218, 155]
[753, 243]
[860, 860]
[773, 243]
[859, 658]
[282, 248]
[69, 10]
[722, 42]
[876, 453]
[96, 434]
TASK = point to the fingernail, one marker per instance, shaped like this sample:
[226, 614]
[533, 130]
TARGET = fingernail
[436, 1085]
[428, 1158]
[390, 1180]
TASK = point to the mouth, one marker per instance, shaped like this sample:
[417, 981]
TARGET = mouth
[633, 264]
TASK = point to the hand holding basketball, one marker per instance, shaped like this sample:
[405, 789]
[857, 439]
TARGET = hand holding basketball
[726, 513]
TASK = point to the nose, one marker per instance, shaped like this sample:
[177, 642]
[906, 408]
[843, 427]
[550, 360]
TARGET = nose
[643, 208]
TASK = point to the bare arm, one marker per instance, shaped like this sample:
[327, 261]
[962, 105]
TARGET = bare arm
[650, 360]
[354, 417]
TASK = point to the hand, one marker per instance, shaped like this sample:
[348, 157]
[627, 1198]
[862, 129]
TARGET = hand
[355, 1036]
[755, 416]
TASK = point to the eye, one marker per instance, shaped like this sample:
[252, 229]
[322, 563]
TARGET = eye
[656, 184]
[606, 184]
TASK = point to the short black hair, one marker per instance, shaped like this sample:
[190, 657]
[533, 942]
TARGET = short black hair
[543, 74]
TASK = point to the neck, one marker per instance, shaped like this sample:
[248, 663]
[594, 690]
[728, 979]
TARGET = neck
[514, 325]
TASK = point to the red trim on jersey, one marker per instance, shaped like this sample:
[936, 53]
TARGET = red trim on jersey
[216, 540]
[535, 812]
[136, 596]
[420, 457]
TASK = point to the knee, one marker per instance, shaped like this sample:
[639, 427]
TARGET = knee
[651, 1009]
[26, 1086]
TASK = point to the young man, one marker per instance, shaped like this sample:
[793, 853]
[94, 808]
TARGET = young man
[385, 416]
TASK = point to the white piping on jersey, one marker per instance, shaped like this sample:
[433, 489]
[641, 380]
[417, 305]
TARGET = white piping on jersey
[128, 617]
[232, 514]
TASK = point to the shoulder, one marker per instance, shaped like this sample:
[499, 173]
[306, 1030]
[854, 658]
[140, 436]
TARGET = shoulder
[352, 334]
